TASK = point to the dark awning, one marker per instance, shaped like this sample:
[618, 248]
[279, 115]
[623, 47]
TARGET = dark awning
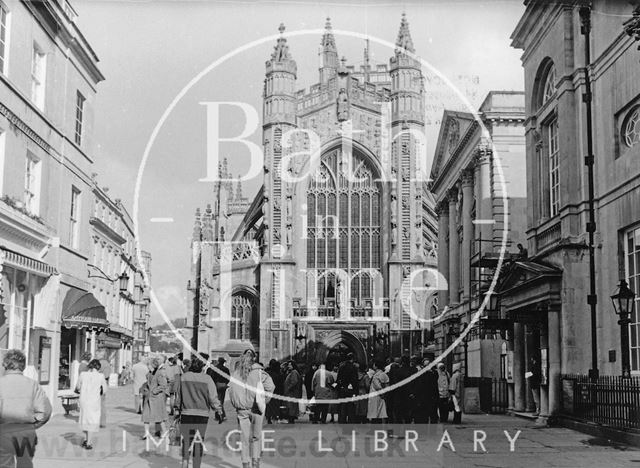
[80, 309]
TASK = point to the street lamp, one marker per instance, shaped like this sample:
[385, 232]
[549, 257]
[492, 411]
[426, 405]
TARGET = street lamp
[124, 281]
[623, 304]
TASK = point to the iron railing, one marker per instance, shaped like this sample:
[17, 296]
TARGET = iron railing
[612, 401]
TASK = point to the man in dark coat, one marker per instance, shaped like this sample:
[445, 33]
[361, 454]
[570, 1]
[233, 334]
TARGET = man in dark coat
[347, 387]
[221, 379]
[405, 395]
[392, 395]
[427, 395]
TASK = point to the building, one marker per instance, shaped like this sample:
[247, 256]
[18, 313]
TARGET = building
[50, 224]
[477, 179]
[48, 79]
[546, 298]
[316, 265]
[116, 281]
[142, 312]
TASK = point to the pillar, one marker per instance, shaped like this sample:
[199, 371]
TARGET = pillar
[484, 206]
[467, 231]
[443, 251]
[518, 367]
[454, 249]
[93, 344]
[553, 334]
[544, 389]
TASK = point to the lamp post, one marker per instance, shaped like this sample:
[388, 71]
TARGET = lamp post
[623, 303]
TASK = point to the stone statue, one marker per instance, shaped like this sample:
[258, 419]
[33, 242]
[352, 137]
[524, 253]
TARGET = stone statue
[342, 110]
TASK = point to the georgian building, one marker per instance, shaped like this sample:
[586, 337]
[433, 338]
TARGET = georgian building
[316, 264]
[478, 182]
[48, 80]
[547, 299]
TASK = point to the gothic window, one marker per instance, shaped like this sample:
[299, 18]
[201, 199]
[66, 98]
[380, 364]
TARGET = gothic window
[631, 128]
[344, 231]
[244, 317]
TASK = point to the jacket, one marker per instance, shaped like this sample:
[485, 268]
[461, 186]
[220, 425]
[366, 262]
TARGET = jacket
[22, 400]
[455, 384]
[242, 395]
[196, 394]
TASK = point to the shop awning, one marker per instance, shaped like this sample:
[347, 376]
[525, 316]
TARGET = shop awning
[80, 309]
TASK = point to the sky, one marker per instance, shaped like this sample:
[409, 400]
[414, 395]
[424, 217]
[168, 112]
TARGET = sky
[150, 50]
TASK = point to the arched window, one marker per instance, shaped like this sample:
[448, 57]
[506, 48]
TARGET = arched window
[244, 317]
[631, 128]
[549, 87]
[344, 231]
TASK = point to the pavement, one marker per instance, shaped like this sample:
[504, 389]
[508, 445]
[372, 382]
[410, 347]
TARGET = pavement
[309, 445]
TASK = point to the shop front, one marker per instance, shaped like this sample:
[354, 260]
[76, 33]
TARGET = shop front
[83, 319]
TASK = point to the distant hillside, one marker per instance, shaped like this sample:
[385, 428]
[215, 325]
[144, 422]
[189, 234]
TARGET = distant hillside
[178, 323]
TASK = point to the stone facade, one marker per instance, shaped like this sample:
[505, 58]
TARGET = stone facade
[547, 298]
[478, 182]
[328, 241]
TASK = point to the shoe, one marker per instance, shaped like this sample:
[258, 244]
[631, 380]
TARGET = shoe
[84, 443]
[88, 447]
[246, 465]
[255, 463]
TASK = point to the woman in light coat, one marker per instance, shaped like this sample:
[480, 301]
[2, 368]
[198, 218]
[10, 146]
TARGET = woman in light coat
[91, 386]
[455, 389]
[377, 407]
[154, 406]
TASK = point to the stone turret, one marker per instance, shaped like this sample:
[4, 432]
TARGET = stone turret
[328, 54]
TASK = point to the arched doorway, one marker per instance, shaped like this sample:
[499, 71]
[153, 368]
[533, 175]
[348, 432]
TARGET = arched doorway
[335, 346]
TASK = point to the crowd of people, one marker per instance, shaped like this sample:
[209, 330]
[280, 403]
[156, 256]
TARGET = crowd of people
[177, 397]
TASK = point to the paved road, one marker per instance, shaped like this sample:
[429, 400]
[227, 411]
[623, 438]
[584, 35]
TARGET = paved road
[299, 445]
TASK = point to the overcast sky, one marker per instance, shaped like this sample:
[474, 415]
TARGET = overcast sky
[149, 51]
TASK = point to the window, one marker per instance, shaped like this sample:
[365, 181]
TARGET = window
[74, 217]
[4, 38]
[79, 113]
[549, 85]
[632, 266]
[343, 203]
[38, 76]
[554, 169]
[244, 319]
[32, 184]
[631, 128]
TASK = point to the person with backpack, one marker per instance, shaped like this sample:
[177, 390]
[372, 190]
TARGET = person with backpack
[248, 393]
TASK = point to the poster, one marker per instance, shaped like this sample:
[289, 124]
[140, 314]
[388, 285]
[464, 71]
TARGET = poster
[44, 359]
[544, 366]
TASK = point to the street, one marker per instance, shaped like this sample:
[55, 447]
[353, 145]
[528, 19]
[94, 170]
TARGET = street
[298, 445]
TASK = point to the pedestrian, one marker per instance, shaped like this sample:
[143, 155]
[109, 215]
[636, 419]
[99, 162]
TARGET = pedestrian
[139, 370]
[308, 386]
[427, 394]
[154, 405]
[195, 395]
[455, 389]
[322, 383]
[173, 371]
[405, 397]
[221, 380]
[293, 390]
[347, 387]
[92, 386]
[273, 406]
[444, 397]
[534, 377]
[364, 382]
[125, 376]
[249, 394]
[105, 368]
[376, 405]
[334, 408]
[24, 407]
[394, 378]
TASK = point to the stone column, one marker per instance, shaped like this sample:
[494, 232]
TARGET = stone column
[443, 250]
[518, 367]
[454, 248]
[484, 204]
[553, 336]
[467, 231]
[544, 389]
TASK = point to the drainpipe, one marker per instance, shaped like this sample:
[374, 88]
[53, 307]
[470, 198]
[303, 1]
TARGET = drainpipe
[587, 97]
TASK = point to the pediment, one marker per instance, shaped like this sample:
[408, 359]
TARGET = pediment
[454, 127]
[521, 273]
